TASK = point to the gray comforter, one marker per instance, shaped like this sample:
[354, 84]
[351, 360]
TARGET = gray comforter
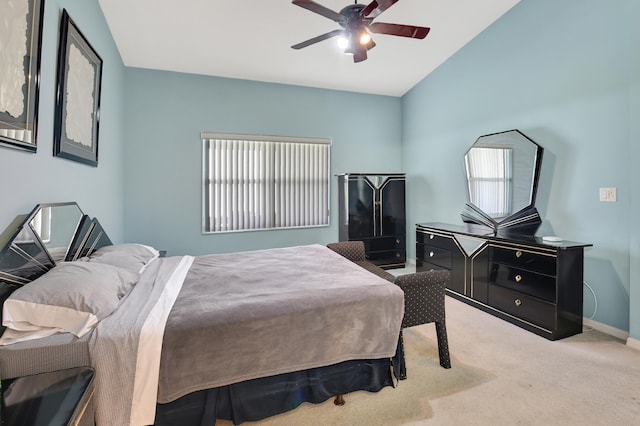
[238, 316]
[255, 314]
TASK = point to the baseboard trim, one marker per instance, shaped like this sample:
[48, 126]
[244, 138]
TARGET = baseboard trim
[633, 343]
[607, 329]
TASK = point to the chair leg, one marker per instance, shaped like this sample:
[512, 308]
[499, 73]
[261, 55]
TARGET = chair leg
[443, 344]
[400, 370]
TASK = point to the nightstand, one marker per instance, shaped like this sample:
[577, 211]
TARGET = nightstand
[57, 398]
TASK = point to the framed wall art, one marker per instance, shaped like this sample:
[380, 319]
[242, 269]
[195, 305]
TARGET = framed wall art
[21, 40]
[77, 114]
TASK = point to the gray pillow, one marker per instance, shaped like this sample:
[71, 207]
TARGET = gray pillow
[72, 297]
[132, 257]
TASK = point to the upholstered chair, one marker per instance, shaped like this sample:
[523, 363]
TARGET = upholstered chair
[423, 293]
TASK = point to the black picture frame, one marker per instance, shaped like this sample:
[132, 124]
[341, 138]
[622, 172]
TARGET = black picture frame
[22, 22]
[78, 86]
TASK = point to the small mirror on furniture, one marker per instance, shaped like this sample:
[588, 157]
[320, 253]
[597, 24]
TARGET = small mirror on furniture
[22, 256]
[502, 171]
[56, 224]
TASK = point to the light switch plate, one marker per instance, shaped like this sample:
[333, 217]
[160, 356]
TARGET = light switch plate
[608, 194]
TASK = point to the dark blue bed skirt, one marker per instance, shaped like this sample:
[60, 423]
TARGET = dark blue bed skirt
[257, 399]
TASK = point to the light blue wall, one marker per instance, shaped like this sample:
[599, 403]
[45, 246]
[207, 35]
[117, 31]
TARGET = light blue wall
[560, 73]
[167, 111]
[633, 158]
[28, 178]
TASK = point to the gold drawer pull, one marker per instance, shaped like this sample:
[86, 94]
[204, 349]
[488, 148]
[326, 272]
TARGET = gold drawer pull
[518, 253]
[518, 278]
[431, 254]
[431, 236]
[397, 241]
[518, 302]
[398, 255]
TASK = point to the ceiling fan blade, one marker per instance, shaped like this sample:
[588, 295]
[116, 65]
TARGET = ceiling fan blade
[360, 55]
[399, 30]
[376, 7]
[317, 39]
[320, 10]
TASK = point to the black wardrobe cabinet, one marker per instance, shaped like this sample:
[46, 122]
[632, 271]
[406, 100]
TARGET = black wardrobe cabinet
[372, 210]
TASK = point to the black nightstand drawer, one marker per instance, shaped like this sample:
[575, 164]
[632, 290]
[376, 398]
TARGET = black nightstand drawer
[524, 259]
[524, 281]
[434, 255]
[520, 305]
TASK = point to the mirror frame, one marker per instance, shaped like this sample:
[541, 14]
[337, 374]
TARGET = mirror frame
[523, 221]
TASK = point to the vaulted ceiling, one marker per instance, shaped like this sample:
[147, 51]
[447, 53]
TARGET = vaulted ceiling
[252, 39]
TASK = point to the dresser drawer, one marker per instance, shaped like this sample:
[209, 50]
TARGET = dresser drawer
[434, 255]
[387, 257]
[434, 240]
[524, 281]
[520, 305]
[384, 243]
[422, 266]
[524, 259]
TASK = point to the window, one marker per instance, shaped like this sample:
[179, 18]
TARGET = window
[489, 171]
[255, 182]
[41, 224]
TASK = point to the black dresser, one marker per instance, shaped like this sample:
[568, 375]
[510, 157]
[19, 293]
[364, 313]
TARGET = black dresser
[531, 283]
[372, 210]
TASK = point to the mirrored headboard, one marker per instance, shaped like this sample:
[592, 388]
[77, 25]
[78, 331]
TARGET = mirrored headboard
[55, 225]
[51, 233]
[502, 173]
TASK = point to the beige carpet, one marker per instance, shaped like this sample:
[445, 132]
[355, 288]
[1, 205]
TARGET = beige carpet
[500, 375]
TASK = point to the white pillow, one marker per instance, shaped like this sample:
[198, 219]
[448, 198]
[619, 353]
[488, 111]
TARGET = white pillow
[133, 257]
[70, 298]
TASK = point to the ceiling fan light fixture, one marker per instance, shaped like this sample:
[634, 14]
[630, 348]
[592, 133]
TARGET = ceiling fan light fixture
[350, 45]
[365, 37]
[356, 20]
[349, 50]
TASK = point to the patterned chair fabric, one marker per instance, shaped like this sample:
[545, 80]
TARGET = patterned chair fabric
[352, 250]
[423, 294]
[424, 303]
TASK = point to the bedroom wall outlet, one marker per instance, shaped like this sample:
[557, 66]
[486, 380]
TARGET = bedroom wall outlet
[608, 194]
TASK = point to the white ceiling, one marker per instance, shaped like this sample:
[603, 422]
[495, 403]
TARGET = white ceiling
[252, 39]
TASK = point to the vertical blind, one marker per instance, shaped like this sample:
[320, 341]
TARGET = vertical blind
[256, 182]
[490, 180]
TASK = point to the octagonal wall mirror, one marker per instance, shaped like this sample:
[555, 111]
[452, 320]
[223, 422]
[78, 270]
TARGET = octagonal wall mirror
[502, 172]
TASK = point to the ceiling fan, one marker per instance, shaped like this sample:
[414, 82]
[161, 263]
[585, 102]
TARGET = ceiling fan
[357, 25]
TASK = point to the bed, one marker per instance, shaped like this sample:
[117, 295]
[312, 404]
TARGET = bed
[185, 340]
